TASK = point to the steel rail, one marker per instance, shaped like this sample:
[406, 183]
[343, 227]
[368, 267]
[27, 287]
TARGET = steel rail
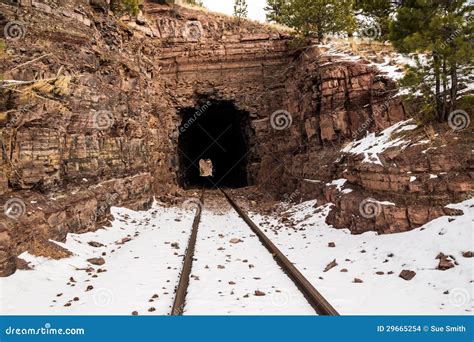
[182, 289]
[315, 299]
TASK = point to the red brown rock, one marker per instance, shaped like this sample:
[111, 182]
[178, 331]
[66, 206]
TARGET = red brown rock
[445, 262]
[107, 133]
[331, 265]
[468, 254]
[407, 274]
[95, 244]
[96, 261]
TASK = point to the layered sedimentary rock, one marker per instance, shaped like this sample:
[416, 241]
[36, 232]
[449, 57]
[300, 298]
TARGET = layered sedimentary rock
[321, 100]
[96, 122]
[416, 181]
[83, 133]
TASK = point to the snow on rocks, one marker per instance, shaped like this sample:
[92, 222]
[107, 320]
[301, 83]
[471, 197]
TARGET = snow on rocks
[138, 269]
[338, 183]
[143, 253]
[372, 145]
[429, 292]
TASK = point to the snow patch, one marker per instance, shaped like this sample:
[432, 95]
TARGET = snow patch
[338, 183]
[372, 145]
[430, 292]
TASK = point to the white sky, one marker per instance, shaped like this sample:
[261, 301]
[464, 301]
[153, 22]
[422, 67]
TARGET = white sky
[255, 7]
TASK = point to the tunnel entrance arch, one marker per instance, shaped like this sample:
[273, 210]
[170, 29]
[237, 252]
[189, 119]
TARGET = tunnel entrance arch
[218, 131]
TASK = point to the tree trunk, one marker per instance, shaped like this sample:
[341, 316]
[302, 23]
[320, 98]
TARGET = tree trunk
[437, 87]
[445, 91]
[320, 32]
[320, 37]
[454, 86]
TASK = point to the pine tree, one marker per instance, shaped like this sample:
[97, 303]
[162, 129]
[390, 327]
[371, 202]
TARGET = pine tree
[198, 3]
[313, 18]
[274, 10]
[441, 31]
[379, 11]
[240, 10]
[125, 6]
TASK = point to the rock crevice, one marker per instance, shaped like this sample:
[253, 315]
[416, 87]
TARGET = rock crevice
[96, 123]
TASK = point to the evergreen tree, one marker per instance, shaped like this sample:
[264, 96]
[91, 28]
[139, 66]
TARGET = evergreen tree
[125, 6]
[442, 32]
[379, 11]
[240, 10]
[313, 18]
[198, 3]
[274, 10]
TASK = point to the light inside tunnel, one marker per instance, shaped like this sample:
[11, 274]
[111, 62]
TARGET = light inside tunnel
[215, 131]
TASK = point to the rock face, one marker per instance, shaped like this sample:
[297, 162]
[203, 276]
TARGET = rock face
[86, 138]
[418, 181]
[302, 103]
[96, 121]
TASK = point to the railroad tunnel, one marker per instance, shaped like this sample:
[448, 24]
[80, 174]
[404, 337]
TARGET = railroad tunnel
[217, 131]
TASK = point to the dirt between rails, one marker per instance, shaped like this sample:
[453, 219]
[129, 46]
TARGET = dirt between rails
[250, 199]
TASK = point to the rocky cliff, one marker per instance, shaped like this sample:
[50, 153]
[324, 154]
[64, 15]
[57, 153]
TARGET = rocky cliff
[89, 119]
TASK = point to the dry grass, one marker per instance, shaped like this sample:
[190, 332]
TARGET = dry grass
[3, 46]
[429, 132]
[48, 249]
[61, 85]
[34, 89]
[41, 86]
[272, 26]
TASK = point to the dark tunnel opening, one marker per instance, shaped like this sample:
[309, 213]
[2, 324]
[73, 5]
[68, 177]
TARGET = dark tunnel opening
[215, 131]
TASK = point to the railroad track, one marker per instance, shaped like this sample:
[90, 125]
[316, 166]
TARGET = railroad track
[320, 305]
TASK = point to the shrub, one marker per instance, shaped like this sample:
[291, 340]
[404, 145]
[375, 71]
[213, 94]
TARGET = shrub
[121, 7]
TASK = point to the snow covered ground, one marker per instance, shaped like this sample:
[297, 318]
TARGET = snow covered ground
[136, 271]
[430, 292]
[231, 264]
[234, 274]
